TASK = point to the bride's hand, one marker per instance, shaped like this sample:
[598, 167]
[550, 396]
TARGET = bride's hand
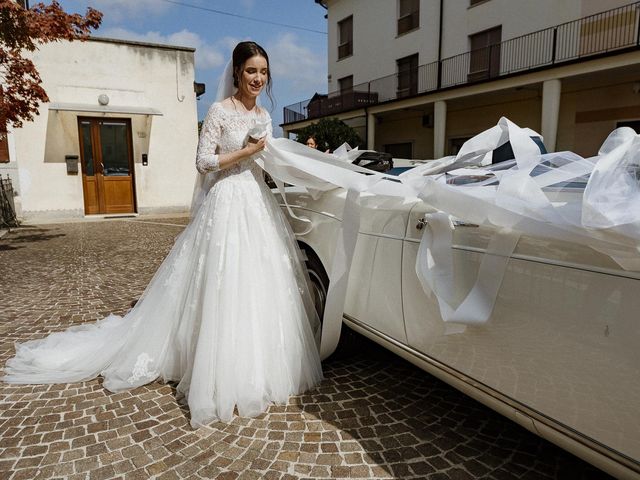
[255, 146]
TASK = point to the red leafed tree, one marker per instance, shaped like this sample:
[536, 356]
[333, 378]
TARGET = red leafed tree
[21, 31]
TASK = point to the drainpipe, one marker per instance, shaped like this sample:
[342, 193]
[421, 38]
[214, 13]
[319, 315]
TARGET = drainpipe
[366, 126]
[440, 46]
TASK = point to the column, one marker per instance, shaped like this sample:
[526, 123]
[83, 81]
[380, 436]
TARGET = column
[439, 128]
[371, 131]
[550, 112]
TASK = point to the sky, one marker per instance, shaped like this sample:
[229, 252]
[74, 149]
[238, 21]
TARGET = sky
[298, 56]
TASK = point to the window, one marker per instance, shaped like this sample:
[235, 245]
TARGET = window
[4, 144]
[399, 150]
[346, 84]
[408, 15]
[485, 54]
[635, 124]
[345, 37]
[455, 144]
[407, 76]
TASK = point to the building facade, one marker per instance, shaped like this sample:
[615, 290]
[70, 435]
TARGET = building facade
[417, 78]
[119, 134]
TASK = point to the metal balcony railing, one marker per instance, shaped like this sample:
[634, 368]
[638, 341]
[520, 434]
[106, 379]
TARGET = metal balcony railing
[606, 32]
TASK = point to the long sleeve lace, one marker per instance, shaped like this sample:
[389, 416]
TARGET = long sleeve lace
[207, 156]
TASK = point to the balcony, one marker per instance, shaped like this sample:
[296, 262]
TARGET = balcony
[605, 33]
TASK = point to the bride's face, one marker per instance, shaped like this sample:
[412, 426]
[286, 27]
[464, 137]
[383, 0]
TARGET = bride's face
[254, 75]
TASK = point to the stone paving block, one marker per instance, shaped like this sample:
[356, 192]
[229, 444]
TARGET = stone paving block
[103, 473]
[6, 466]
[25, 474]
[124, 466]
[374, 416]
[227, 475]
[171, 475]
[63, 469]
[86, 464]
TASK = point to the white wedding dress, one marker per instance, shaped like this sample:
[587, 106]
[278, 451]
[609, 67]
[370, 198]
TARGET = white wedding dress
[227, 315]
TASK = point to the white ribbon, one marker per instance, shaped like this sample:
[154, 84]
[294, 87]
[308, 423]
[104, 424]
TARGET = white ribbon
[339, 276]
[436, 274]
[518, 205]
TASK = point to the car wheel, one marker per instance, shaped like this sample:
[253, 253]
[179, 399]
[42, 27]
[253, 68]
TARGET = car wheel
[319, 280]
[350, 341]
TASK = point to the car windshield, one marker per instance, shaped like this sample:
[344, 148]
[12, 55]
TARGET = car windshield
[382, 162]
[486, 177]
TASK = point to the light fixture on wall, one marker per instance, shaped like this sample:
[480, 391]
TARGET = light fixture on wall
[199, 88]
[103, 99]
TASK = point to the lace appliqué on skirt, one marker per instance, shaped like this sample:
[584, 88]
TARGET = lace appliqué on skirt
[141, 369]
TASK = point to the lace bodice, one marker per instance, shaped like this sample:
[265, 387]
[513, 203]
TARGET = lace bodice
[225, 131]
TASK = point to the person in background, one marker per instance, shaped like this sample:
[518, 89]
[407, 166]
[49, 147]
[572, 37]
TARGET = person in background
[312, 142]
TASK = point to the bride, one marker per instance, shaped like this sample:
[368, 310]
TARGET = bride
[228, 314]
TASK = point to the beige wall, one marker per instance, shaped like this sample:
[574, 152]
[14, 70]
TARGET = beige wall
[461, 122]
[517, 17]
[591, 102]
[467, 122]
[377, 47]
[407, 130]
[589, 7]
[133, 76]
[376, 44]
[588, 115]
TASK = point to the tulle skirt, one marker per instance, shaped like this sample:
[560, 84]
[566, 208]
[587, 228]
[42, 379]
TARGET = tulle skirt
[228, 315]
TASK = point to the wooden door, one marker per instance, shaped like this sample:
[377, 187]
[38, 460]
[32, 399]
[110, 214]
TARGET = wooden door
[107, 165]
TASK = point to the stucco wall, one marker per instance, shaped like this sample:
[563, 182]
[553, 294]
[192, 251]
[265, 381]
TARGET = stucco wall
[132, 76]
[588, 115]
[467, 122]
[406, 130]
[377, 46]
[462, 122]
[376, 43]
[517, 17]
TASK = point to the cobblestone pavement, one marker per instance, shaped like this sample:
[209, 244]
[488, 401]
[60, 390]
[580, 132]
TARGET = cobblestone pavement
[375, 415]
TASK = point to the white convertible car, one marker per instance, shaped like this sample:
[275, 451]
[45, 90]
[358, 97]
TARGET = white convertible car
[561, 353]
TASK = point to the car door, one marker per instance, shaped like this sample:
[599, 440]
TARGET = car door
[562, 338]
[374, 295]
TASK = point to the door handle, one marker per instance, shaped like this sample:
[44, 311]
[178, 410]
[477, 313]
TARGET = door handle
[460, 223]
[422, 222]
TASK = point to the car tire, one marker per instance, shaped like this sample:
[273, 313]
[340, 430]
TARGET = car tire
[318, 277]
[350, 341]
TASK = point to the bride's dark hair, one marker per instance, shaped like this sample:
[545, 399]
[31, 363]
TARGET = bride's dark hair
[243, 52]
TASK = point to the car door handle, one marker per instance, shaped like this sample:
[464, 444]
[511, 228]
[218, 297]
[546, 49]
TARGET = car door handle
[422, 222]
[460, 223]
